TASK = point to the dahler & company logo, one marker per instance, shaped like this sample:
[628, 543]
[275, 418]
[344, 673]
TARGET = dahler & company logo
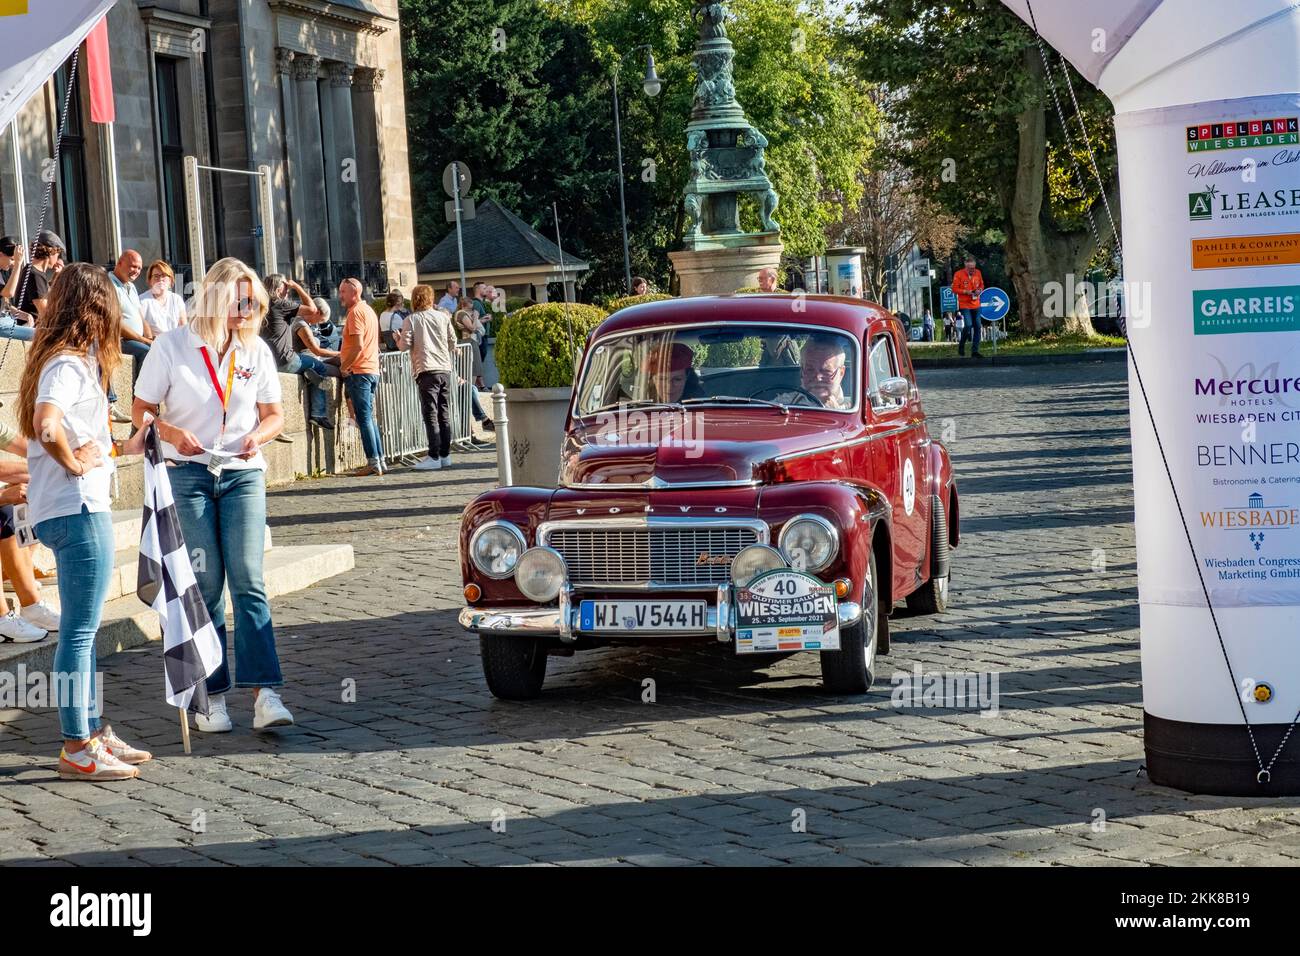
[1243, 134]
[1210, 204]
[1258, 309]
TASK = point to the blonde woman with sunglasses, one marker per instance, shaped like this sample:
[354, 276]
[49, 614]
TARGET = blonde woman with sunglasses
[215, 391]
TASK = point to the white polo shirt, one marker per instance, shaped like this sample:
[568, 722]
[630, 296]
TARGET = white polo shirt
[175, 376]
[71, 384]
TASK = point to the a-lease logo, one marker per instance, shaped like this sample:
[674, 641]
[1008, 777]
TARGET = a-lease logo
[78, 909]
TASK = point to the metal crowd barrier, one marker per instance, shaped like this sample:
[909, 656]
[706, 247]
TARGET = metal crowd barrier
[397, 404]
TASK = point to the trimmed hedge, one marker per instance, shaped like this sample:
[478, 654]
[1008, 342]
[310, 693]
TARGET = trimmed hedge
[627, 301]
[532, 346]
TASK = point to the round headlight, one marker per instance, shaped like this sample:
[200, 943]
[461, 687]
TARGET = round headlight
[540, 574]
[752, 561]
[809, 543]
[495, 549]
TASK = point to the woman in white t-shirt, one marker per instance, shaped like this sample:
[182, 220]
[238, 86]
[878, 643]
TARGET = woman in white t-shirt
[161, 307]
[63, 412]
[214, 388]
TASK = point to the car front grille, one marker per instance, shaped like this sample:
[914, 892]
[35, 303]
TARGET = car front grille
[660, 557]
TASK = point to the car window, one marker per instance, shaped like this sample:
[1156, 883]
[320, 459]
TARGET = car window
[725, 362]
[881, 364]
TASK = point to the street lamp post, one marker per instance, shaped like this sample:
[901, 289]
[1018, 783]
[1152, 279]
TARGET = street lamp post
[651, 86]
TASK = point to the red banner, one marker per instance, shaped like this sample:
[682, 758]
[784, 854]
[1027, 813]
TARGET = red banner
[99, 74]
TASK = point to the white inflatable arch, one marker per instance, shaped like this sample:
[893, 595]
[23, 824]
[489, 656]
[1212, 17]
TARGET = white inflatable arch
[1206, 115]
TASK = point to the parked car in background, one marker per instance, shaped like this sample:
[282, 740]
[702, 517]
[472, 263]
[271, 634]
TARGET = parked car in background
[755, 470]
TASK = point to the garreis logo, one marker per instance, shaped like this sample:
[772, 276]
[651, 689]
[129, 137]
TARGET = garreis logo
[1243, 134]
[76, 909]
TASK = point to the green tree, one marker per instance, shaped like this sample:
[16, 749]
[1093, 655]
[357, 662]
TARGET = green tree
[983, 138]
[530, 110]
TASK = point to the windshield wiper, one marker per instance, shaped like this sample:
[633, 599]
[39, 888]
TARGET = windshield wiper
[730, 399]
[636, 403]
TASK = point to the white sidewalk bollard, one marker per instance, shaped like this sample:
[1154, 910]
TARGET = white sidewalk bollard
[502, 424]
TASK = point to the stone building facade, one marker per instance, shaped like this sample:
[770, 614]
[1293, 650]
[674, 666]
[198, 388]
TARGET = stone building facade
[313, 89]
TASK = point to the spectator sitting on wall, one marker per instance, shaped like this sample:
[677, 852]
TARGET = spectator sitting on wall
[136, 335]
[392, 318]
[13, 324]
[162, 307]
[34, 278]
[278, 329]
[34, 618]
[450, 300]
[319, 359]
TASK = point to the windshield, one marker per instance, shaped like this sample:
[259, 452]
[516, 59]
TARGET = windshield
[788, 365]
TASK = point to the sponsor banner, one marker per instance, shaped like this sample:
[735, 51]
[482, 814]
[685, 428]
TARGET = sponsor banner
[1219, 356]
[1238, 252]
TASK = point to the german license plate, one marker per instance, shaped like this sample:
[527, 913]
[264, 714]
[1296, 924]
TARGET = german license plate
[643, 616]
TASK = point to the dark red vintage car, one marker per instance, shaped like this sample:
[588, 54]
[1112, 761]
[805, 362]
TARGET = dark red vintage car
[722, 456]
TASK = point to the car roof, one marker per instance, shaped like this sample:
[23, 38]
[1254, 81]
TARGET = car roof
[837, 312]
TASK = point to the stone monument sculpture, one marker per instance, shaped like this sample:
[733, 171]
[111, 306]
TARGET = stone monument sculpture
[726, 161]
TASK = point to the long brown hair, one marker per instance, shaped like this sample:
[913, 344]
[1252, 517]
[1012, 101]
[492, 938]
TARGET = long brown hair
[82, 314]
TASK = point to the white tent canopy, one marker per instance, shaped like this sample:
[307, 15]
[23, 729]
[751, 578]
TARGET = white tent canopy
[37, 43]
[1152, 53]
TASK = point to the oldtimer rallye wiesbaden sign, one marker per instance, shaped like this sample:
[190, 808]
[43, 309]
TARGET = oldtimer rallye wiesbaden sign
[786, 610]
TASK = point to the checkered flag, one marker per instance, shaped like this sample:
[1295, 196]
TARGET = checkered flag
[191, 648]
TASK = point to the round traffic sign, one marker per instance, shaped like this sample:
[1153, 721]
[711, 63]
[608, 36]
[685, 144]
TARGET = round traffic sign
[449, 185]
[994, 304]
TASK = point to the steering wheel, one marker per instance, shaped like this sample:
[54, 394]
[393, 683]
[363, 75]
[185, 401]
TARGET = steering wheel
[787, 389]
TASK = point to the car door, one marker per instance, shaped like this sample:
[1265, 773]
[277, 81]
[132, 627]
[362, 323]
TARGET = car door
[897, 459]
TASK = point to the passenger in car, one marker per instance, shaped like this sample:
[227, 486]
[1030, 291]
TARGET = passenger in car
[669, 376]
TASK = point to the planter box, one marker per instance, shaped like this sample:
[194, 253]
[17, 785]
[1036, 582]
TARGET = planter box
[537, 419]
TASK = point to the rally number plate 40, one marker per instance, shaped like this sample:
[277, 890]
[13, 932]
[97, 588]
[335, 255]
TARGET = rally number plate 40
[786, 610]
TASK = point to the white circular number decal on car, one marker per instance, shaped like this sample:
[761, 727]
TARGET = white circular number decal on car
[909, 486]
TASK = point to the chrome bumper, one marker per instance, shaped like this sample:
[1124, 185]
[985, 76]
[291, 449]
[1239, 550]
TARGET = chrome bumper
[562, 621]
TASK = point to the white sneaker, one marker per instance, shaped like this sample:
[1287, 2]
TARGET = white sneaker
[217, 720]
[41, 615]
[14, 628]
[428, 464]
[269, 710]
[446, 462]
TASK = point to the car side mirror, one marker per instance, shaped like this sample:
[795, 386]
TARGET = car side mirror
[896, 389]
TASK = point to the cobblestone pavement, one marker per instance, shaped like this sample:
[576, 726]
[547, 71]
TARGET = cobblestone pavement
[729, 760]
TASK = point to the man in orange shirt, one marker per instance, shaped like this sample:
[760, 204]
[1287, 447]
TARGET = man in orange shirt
[968, 284]
[359, 364]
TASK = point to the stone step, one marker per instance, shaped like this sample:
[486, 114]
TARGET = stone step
[127, 623]
[126, 537]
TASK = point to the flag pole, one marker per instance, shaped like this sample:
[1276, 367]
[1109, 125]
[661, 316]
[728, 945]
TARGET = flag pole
[185, 728]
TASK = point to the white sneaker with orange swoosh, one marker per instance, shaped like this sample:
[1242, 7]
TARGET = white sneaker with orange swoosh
[95, 764]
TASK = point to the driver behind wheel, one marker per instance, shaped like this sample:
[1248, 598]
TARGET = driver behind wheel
[822, 365]
[668, 373]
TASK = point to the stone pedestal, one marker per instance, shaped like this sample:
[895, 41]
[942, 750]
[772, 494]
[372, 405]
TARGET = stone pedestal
[723, 271]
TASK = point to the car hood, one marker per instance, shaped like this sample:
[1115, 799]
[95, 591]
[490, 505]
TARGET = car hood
[662, 447]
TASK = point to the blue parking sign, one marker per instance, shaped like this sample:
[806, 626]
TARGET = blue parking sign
[947, 299]
[994, 304]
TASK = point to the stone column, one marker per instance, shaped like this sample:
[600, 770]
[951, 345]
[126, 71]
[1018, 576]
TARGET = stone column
[345, 224]
[315, 244]
[366, 102]
[293, 249]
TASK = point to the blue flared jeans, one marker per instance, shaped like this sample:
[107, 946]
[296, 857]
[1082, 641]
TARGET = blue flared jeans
[223, 518]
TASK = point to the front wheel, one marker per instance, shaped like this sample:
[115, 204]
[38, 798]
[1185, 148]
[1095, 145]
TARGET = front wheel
[851, 669]
[514, 665]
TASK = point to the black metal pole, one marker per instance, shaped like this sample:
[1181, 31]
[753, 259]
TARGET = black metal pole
[622, 202]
